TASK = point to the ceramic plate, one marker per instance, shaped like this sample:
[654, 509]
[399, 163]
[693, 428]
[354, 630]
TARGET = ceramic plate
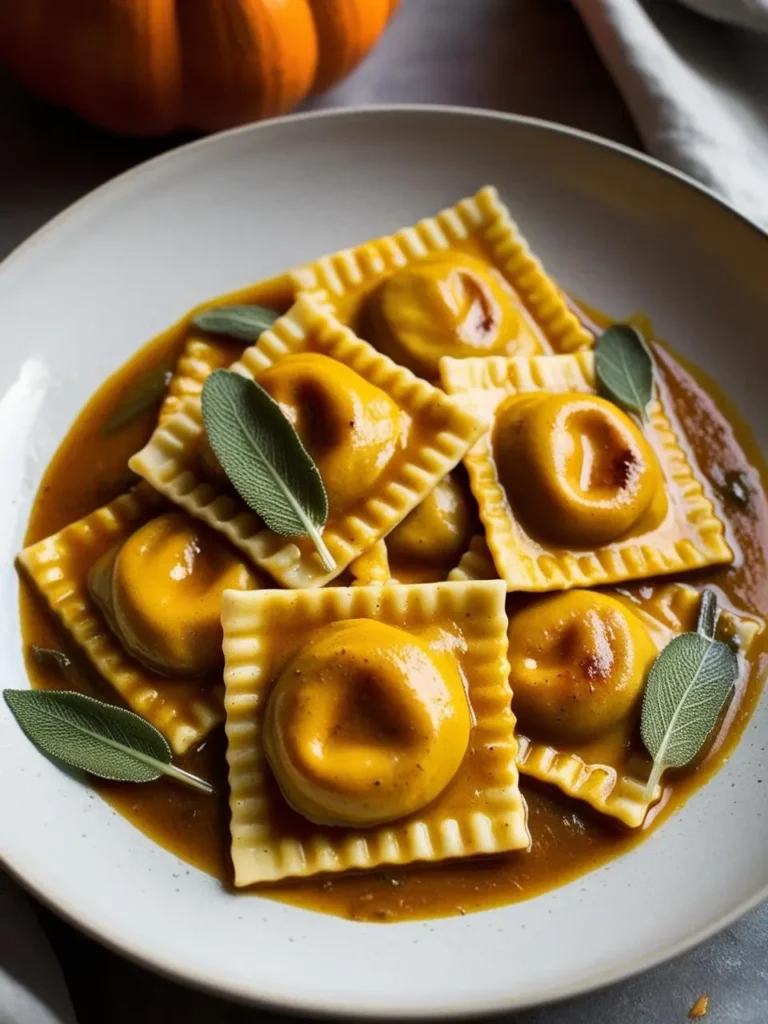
[86, 291]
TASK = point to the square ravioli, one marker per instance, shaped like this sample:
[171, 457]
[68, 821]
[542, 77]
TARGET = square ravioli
[476, 563]
[429, 542]
[382, 439]
[199, 358]
[570, 491]
[58, 568]
[603, 762]
[462, 283]
[321, 692]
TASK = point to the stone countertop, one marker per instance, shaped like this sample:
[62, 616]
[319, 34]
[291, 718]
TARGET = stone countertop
[528, 56]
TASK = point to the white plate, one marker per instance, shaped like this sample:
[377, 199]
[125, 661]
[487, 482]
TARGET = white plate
[86, 291]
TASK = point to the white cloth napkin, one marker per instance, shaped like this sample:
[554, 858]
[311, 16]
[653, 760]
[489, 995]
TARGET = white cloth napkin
[694, 74]
[32, 988]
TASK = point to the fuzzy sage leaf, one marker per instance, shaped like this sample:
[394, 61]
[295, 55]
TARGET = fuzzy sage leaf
[707, 617]
[48, 658]
[624, 368]
[147, 393]
[689, 684]
[98, 738]
[246, 323]
[263, 456]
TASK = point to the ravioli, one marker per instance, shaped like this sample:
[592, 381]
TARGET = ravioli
[160, 591]
[599, 770]
[463, 283]
[428, 542]
[425, 547]
[364, 727]
[382, 439]
[59, 568]
[372, 567]
[476, 563]
[199, 358]
[609, 771]
[570, 491]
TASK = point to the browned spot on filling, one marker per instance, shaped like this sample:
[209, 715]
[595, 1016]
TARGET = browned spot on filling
[596, 666]
[483, 308]
[624, 468]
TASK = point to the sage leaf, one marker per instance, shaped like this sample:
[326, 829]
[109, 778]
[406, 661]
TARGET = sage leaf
[48, 658]
[689, 684]
[263, 456]
[624, 368]
[707, 617]
[246, 323]
[98, 738]
[147, 393]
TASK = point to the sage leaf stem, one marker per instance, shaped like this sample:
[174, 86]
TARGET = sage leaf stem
[98, 738]
[707, 617]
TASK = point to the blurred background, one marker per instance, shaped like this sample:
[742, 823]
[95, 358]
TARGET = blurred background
[686, 80]
[529, 56]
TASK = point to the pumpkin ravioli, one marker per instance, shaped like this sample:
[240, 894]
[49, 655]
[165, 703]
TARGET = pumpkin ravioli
[368, 726]
[601, 772]
[576, 729]
[372, 567]
[462, 283]
[425, 547]
[61, 568]
[199, 358]
[571, 491]
[476, 562]
[381, 438]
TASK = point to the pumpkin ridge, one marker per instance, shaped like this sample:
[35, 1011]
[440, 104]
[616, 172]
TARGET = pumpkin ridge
[148, 67]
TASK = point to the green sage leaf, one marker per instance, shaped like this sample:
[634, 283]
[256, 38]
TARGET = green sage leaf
[98, 738]
[48, 658]
[145, 394]
[246, 323]
[689, 684]
[624, 368]
[263, 456]
[707, 617]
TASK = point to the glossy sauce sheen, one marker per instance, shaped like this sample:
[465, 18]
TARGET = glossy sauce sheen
[568, 839]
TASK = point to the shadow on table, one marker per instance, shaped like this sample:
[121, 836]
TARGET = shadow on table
[53, 158]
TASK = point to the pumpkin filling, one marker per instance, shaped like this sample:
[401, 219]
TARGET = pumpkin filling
[366, 724]
[576, 469]
[350, 427]
[438, 530]
[160, 592]
[447, 304]
[578, 662]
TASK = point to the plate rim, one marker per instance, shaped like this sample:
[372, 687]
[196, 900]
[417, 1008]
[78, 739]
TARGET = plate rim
[242, 993]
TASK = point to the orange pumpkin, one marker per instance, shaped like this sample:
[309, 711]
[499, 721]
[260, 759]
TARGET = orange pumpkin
[148, 67]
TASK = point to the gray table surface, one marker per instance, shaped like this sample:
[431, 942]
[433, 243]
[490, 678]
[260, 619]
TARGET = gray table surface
[528, 56]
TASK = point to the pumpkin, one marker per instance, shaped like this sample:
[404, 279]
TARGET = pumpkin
[147, 67]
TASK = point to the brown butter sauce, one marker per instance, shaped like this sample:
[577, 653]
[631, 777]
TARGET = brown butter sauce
[568, 838]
